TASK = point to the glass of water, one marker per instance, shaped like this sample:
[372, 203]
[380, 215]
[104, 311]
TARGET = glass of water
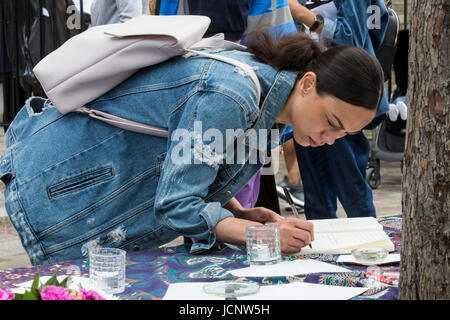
[263, 244]
[107, 270]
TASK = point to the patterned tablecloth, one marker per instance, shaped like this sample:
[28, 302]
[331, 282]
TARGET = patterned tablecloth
[148, 273]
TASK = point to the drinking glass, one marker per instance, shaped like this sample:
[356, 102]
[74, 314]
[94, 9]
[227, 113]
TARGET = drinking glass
[263, 244]
[107, 270]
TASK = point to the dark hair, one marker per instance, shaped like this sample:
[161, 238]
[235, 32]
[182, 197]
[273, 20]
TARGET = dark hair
[349, 73]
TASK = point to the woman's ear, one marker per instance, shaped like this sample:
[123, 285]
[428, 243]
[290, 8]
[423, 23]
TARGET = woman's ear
[307, 83]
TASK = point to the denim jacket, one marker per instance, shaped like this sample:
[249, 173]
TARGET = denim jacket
[75, 183]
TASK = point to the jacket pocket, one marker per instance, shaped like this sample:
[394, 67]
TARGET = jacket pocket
[81, 181]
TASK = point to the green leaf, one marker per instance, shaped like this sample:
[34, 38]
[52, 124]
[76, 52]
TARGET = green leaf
[35, 284]
[18, 296]
[34, 294]
[53, 281]
[65, 282]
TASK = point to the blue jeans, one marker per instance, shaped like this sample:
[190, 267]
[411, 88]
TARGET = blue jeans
[336, 171]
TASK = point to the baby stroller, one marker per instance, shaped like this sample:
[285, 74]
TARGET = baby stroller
[389, 144]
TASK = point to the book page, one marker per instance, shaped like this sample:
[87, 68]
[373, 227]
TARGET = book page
[344, 242]
[346, 225]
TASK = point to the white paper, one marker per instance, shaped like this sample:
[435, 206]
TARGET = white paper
[290, 291]
[304, 291]
[189, 291]
[288, 268]
[393, 257]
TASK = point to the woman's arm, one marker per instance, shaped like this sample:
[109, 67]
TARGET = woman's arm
[191, 166]
[294, 233]
[303, 14]
[350, 28]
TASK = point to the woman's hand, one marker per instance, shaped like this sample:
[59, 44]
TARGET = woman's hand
[295, 234]
[303, 14]
[260, 214]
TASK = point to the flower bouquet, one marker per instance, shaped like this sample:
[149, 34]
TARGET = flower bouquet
[52, 290]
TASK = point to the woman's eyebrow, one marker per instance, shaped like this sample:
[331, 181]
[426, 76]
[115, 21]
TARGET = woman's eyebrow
[341, 126]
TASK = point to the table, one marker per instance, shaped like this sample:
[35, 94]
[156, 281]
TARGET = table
[149, 272]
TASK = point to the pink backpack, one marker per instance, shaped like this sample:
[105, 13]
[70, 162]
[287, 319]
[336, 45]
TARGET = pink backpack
[98, 59]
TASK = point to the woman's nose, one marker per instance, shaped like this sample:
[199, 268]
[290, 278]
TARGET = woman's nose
[330, 136]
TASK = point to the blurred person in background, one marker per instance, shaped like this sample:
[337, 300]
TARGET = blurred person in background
[117, 11]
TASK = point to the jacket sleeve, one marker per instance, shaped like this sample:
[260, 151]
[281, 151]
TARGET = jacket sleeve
[129, 9]
[191, 166]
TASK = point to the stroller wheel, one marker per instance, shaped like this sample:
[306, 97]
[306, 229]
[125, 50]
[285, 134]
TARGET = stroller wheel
[372, 178]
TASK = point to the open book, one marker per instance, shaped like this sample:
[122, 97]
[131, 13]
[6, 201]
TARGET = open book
[340, 236]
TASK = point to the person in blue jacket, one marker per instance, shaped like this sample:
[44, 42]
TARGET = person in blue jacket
[74, 183]
[327, 172]
[338, 171]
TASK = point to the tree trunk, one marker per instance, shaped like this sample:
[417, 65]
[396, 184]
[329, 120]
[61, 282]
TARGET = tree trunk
[424, 269]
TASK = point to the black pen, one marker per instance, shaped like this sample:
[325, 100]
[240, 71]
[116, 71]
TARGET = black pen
[291, 203]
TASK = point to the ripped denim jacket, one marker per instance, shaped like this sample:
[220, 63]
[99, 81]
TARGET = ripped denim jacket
[75, 183]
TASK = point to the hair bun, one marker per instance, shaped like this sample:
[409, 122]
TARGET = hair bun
[289, 52]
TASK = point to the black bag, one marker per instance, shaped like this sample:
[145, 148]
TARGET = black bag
[385, 54]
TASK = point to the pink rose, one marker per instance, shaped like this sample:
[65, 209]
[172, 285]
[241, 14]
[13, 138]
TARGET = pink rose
[6, 295]
[55, 293]
[91, 295]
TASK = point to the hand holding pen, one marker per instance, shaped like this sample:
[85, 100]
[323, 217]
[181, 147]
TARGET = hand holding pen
[291, 203]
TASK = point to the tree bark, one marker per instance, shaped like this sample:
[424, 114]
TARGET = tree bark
[424, 269]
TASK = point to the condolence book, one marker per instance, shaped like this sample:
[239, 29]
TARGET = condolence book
[340, 236]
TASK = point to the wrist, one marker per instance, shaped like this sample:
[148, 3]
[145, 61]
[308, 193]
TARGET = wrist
[235, 208]
[240, 212]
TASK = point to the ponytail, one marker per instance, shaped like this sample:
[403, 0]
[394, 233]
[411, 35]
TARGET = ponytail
[290, 52]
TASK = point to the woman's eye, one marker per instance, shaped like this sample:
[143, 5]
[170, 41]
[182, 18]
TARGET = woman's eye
[332, 125]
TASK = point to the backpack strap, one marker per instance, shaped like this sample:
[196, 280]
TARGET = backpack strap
[162, 132]
[125, 123]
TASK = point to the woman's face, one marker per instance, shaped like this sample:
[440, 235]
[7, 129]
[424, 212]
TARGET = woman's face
[317, 120]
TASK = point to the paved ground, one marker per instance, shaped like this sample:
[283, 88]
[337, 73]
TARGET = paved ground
[387, 200]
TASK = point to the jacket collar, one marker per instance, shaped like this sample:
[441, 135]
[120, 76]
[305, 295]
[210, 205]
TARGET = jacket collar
[274, 102]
